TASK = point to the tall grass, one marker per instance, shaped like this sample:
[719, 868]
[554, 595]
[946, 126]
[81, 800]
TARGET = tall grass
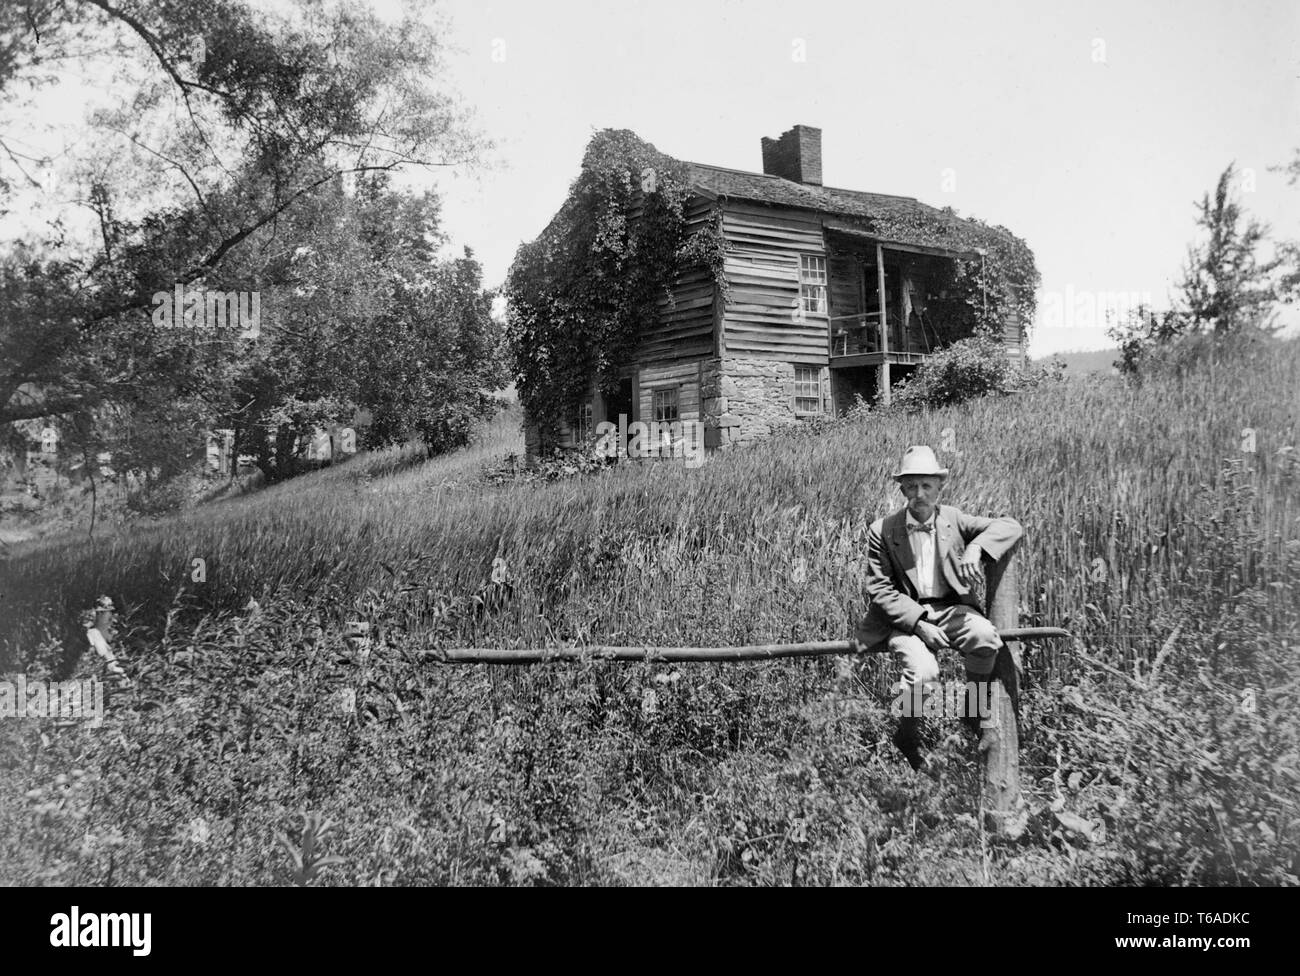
[1121, 491]
[1150, 533]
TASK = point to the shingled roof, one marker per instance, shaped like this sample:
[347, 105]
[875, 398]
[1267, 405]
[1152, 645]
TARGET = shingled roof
[904, 220]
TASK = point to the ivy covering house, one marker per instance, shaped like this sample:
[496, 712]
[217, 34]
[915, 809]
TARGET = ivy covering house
[668, 291]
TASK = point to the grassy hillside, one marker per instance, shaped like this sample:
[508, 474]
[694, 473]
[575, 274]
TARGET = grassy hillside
[1161, 748]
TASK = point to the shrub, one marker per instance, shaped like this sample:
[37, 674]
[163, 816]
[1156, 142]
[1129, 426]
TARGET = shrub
[967, 369]
[1036, 374]
[1188, 356]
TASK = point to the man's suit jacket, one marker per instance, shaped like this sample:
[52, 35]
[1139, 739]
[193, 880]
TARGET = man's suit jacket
[891, 567]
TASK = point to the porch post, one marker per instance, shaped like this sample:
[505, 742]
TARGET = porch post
[883, 373]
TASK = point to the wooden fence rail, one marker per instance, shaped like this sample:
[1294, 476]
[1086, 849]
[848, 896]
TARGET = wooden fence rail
[717, 655]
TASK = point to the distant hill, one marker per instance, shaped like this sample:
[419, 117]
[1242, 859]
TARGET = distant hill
[1081, 362]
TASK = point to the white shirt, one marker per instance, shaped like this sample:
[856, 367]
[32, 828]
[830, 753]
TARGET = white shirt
[925, 548]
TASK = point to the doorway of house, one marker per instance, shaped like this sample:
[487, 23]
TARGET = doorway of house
[850, 382]
[620, 402]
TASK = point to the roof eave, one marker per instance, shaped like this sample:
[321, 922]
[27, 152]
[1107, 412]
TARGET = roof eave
[928, 249]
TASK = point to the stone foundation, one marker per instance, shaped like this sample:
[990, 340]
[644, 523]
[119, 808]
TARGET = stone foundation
[739, 401]
[745, 400]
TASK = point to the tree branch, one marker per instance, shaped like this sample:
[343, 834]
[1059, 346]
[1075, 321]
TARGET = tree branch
[13, 155]
[45, 408]
[234, 240]
[156, 48]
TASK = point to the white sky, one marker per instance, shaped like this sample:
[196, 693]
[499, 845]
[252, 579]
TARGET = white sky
[1087, 129]
[1096, 163]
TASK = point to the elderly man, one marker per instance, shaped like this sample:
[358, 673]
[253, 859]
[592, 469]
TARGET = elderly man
[922, 562]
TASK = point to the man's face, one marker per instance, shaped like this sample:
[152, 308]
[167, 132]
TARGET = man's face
[922, 494]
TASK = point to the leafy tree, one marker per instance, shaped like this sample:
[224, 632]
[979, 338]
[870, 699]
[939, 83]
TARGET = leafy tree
[1139, 331]
[1225, 286]
[232, 122]
[433, 375]
[365, 314]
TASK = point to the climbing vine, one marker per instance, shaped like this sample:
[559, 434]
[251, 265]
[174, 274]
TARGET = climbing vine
[581, 295]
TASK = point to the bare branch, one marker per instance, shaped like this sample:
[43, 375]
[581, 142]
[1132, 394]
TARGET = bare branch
[13, 155]
[179, 167]
[155, 47]
[45, 408]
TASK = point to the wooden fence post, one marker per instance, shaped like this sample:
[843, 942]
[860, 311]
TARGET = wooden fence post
[1001, 802]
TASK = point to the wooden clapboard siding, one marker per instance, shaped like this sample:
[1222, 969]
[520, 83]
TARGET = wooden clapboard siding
[684, 327]
[764, 244]
[762, 267]
[684, 376]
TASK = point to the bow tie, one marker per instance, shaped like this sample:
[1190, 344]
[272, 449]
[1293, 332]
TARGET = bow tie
[920, 527]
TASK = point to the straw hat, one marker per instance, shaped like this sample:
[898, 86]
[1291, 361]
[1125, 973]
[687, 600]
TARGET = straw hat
[920, 460]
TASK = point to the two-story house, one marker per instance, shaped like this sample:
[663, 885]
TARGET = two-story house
[830, 295]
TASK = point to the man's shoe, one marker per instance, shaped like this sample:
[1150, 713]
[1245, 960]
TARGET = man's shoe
[907, 739]
[982, 702]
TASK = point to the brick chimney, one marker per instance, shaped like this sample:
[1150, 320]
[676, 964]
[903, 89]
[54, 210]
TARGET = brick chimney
[797, 155]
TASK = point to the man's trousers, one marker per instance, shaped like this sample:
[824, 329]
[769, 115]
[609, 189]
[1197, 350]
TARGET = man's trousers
[968, 632]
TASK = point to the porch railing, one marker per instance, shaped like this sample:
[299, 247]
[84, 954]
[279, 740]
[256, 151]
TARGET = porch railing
[855, 335]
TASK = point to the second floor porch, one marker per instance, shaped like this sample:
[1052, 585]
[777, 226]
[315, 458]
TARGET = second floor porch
[884, 300]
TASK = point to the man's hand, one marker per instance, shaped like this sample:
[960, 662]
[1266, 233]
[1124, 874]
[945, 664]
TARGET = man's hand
[970, 569]
[933, 637]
